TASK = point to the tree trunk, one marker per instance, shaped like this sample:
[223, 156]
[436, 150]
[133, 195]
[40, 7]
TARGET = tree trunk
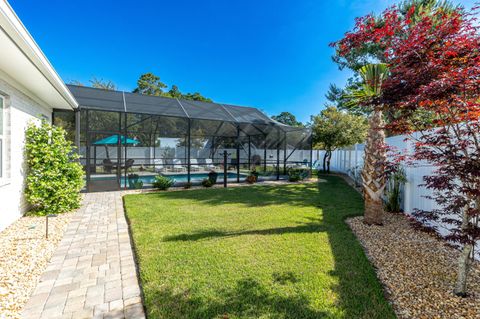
[464, 260]
[324, 162]
[373, 178]
[329, 157]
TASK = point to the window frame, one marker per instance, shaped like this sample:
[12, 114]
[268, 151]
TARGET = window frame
[2, 139]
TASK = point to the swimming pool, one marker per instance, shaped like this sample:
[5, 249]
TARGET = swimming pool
[183, 178]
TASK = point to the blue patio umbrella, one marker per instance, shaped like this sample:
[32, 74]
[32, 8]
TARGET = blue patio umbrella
[113, 140]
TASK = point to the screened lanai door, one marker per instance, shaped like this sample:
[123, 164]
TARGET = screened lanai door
[105, 161]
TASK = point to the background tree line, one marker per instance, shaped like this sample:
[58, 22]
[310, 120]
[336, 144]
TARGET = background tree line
[148, 84]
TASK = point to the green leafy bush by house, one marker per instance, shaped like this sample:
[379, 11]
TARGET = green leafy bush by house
[54, 175]
[162, 183]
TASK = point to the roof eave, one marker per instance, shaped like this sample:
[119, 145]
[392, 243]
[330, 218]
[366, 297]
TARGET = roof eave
[57, 95]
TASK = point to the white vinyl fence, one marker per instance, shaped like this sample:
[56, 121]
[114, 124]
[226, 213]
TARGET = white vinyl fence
[350, 161]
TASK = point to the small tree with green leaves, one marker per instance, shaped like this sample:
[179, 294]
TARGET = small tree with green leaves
[54, 176]
[333, 129]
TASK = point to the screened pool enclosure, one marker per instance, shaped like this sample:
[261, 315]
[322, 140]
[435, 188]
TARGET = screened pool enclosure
[126, 139]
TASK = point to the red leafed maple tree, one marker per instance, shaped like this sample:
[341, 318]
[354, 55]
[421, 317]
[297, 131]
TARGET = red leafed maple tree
[433, 89]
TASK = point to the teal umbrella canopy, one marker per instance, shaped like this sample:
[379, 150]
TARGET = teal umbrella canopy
[113, 140]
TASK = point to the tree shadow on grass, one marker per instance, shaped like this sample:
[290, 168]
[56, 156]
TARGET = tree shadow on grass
[248, 299]
[357, 290]
[311, 227]
[257, 196]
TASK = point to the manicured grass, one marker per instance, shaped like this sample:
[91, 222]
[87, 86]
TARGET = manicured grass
[254, 252]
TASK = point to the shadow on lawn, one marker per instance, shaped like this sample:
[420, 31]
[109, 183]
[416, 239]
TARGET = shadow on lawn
[299, 195]
[359, 294]
[312, 227]
[249, 299]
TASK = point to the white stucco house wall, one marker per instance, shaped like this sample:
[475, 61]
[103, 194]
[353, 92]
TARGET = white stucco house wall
[30, 89]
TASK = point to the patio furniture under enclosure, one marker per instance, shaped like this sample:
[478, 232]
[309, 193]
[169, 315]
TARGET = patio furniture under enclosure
[123, 136]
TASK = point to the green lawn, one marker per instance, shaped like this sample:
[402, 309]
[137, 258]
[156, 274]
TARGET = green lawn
[254, 252]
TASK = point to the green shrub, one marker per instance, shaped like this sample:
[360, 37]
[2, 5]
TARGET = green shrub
[138, 185]
[296, 175]
[393, 190]
[54, 175]
[162, 183]
[207, 182]
[134, 182]
[293, 176]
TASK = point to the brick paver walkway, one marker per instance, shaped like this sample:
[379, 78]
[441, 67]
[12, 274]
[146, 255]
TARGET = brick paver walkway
[92, 274]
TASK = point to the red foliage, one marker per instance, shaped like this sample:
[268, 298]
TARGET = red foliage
[434, 88]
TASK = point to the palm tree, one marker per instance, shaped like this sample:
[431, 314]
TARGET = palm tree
[373, 175]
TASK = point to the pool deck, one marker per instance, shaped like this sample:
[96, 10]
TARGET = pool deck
[168, 173]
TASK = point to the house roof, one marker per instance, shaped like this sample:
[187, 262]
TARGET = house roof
[99, 99]
[22, 61]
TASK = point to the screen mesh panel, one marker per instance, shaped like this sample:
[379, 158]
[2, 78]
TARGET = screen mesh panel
[98, 99]
[179, 138]
[208, 111]
[157, 105]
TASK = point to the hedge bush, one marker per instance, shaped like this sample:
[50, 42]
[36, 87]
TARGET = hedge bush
[162, 183]
[54, 175]
[207, 182]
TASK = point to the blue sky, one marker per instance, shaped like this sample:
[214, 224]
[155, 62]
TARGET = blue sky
[273, 55]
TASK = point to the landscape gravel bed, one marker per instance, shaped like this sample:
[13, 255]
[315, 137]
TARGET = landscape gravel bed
[24, 254]
[417, 270]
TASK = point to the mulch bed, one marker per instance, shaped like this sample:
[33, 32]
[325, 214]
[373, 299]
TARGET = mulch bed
[24, 254]
[417, 270]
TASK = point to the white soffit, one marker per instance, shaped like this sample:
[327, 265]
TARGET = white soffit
[23, 61]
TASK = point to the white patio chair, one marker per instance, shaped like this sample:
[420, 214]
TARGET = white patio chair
[178, 166]
[194, 165]
[209, 164]
[160, 166]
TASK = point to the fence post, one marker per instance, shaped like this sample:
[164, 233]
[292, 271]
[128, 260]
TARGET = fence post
[225, 154]
[356, 155]
[407, 188]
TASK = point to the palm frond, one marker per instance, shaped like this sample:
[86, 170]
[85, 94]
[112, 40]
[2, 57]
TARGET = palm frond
[373, 76]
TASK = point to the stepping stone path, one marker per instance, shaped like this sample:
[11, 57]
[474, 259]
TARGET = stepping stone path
[92, 273]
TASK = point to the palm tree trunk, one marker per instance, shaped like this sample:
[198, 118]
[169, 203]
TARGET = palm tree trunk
[373, 169]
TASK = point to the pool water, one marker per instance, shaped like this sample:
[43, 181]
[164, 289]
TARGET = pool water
[182, 178]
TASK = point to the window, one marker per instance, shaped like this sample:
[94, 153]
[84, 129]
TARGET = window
[2, 127]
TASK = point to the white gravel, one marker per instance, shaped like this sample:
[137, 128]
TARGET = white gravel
[417, 270]
[24, 254]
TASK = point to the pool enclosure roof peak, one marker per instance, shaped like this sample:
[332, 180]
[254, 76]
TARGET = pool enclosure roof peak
[126, 102]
